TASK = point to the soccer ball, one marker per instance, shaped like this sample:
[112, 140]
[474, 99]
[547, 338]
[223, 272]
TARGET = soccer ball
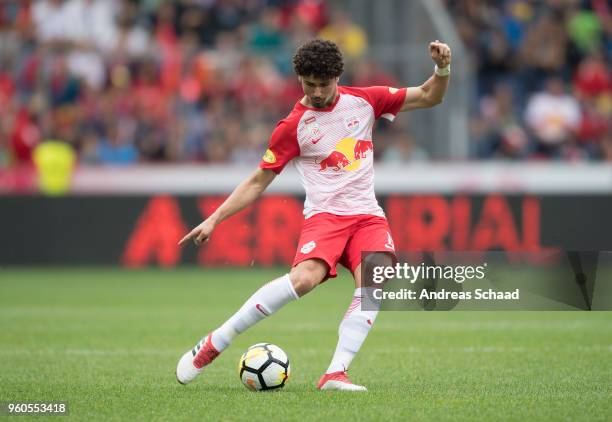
[264, 366]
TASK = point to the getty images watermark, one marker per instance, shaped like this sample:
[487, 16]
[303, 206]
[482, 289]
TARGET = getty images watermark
[457, 274]
[490, 280]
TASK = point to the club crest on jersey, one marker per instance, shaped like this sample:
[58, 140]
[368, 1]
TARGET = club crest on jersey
[315, 133]
[352, 123]
[308, 247]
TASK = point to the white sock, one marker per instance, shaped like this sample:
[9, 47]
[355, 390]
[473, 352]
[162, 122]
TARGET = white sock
[352, 332]
[264, 302]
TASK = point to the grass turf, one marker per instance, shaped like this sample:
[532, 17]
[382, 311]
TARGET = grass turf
[107, 341]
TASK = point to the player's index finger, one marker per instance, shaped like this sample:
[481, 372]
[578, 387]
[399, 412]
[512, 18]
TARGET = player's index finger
[185, 238]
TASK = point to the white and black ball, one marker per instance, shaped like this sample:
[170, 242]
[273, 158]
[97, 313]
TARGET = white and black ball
[263, 367]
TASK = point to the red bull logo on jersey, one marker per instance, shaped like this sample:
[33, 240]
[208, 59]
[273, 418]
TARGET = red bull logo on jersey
[347, 155]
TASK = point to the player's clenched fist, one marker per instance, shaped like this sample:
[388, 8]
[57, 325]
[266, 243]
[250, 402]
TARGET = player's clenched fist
[200, 234]
[440, 53]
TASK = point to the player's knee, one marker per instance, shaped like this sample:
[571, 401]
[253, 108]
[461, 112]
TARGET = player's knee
[305, 278]
[303, 281]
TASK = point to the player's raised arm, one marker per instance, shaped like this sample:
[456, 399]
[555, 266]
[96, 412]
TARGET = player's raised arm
[244, 195]
[432, 91]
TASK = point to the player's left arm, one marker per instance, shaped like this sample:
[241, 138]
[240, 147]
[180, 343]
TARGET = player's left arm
[432, 91]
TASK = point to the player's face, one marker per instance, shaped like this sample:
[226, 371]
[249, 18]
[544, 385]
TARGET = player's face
[319, 92]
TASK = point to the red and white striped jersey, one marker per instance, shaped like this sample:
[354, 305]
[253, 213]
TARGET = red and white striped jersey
[332, 149]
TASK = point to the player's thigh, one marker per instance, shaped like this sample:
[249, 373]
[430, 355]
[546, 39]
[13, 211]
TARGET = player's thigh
[364, 272]
[373, 243]
[308, 274]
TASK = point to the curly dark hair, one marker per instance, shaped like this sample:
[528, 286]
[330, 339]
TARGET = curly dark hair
[319, 58]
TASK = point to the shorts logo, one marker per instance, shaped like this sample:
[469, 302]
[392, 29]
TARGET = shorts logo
[352, 124]
[269, 157]
[308, 247]
[390, 244]
[393, 90]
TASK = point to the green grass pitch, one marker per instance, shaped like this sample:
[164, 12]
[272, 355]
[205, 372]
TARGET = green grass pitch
[107, 341]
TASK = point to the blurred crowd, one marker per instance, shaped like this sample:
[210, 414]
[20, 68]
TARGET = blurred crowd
[544, 79]
[126, 81]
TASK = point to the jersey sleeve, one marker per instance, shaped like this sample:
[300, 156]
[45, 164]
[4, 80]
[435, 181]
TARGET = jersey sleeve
[282, 147]
[385, 100]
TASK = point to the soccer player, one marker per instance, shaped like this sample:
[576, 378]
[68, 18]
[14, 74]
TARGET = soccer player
[328, 135]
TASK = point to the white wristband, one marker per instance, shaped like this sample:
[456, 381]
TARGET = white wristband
[444, 71]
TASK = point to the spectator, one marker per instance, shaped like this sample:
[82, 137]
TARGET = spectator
[584, 30]
[92, 23]
[131, 40]
[592, 77]
[594, 125]
[553, 117]
[500, 134]
[352, 40]
[544, 50]
[496, 60]
[52, 21]
[254, 145]
[265, 35]
[311, 12]
[400, 147]
[117, 147]
[24, 136]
